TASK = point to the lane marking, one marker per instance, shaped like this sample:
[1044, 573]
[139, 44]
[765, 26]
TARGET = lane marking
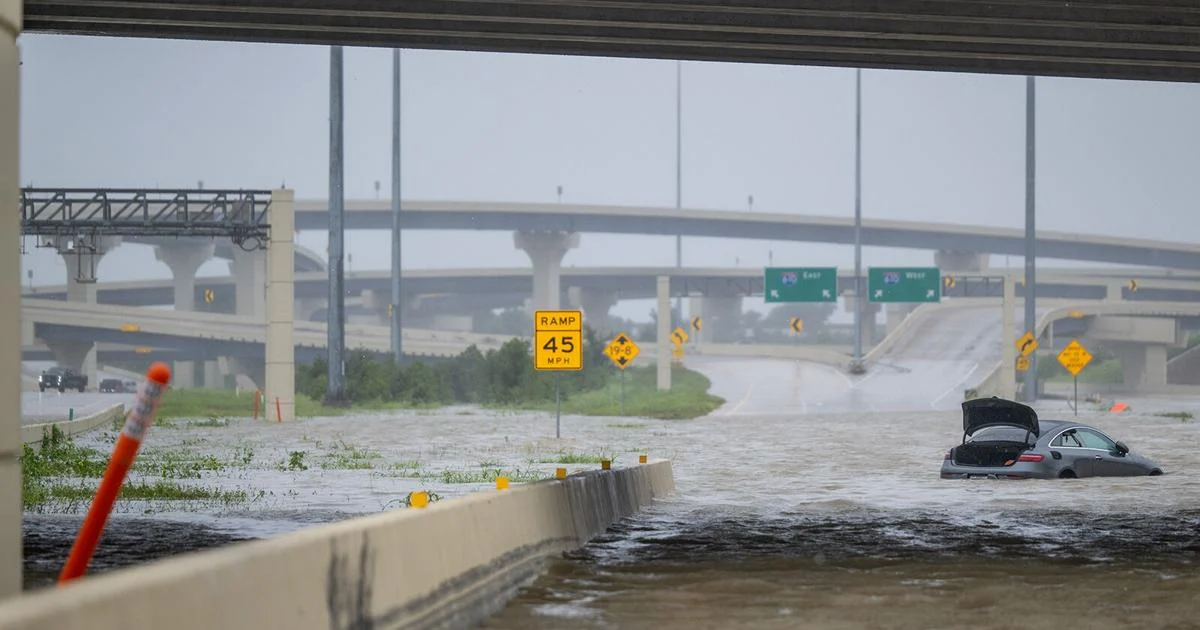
[933, 403]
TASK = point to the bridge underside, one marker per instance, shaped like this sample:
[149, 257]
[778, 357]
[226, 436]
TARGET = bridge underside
[1130, 39]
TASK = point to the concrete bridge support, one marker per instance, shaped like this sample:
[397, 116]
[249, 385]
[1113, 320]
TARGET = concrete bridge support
[1144, 366]
[721, 315]
[184, 258]
[546, 251]
[280, 377]
[213, 378]
[895, 314]
[960, 262]
[595, 304]
[10, 300]
[250, 271]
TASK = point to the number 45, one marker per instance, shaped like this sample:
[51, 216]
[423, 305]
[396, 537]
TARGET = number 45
[567, 344]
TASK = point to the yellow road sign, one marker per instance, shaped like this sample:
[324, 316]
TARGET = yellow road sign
[1133, 285]
[1074, 357]
[558, 340]
[679, 336]
[677, 353]
[949, 282]
[697, 323]
[391, 309]
[796, 324]
[1027, 344]
[130, 328]
[143, 349]
[1022, 364]
[1075, 314]
[209, 296]
[622, 350]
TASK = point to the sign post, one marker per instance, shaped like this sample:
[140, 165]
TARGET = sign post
[558, 347]
[622, 350]
[1074, 358]
[904, 284]
[800, 284]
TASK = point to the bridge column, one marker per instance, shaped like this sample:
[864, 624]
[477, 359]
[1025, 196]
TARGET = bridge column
[213, 378]
[77, 355]
[595, 304]
[280, 376]
[868, 321]
[546, 251]
[82, 258]
[250, 291]
[895, 314]
[960, 262]
[1144, 366]
[1115, 291]
[10, 301]
[185, 257]
[721, 315]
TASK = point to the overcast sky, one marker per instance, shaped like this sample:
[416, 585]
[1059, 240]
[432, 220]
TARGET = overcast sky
[1114, 157]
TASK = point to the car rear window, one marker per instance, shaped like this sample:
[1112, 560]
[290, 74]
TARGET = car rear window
[1002, 434]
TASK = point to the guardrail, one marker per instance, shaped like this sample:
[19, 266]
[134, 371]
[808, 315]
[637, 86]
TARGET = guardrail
[32, 434]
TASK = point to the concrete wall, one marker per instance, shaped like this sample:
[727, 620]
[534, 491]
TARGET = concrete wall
[451, 564]
[31, 434]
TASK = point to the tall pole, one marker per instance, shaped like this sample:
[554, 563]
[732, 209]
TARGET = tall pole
[1030, 233]
[397, 341]
[336, 332]
[679, 172]
[858, 288]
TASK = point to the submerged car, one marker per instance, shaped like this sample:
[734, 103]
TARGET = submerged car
[1003, 439]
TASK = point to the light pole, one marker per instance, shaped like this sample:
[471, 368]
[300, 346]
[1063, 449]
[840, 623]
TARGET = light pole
[394, 312]
[856, 366]
[335, 330]
[1030, 233]
[678, 175]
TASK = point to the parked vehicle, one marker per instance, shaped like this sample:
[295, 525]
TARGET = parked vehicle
[112, 386]
[1003, 439]
[62, 379]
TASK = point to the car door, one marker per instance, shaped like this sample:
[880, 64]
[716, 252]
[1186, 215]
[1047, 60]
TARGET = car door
[1108, 463]
[1079, 459]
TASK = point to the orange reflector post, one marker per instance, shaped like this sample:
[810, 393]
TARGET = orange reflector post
[137, 423]
[560, 473]
[502, 483]
[642, 459]
[418, 499]
[605, 464]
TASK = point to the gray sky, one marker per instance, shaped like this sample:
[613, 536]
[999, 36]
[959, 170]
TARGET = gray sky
[1114, 157]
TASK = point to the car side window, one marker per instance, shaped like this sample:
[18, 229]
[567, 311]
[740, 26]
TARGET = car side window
[1067, 439]
[1091, 439]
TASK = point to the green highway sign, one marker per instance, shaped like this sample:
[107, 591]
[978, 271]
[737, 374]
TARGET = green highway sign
[904, 284]
[800, 284]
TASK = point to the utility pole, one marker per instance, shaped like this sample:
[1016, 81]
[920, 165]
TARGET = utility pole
[335, 390]
[857, 366]
[1030, 232]
[679, 173]
[394, 311]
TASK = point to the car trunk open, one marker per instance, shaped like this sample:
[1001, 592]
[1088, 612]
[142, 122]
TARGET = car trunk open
[995, 432]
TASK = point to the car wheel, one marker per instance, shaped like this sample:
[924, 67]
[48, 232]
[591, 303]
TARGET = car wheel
[41, 388]
[82, 389]
[1067, 474]
[1156, 472]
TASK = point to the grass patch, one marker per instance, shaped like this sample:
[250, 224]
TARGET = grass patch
[1182, 416]
[576, 458]
[214, 407]
[688, 397]
[518, 475]
[343, 456]
[627, 425]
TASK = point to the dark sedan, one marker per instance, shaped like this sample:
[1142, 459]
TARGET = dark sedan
[1003, 439]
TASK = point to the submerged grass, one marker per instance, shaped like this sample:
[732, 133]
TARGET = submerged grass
[688, 397]
[214, 407]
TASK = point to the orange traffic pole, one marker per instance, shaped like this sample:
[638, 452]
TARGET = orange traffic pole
[257, 394]
[137, 422]
[278, 410]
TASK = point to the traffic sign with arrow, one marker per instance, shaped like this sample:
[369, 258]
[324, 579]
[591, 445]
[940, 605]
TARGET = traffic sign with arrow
[622, 350]
[679, 336]
[800, 284]
[1027, 344]
[796, 324]
[697, 323]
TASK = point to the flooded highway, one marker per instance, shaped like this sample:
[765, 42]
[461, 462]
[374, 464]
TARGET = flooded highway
[811, 499]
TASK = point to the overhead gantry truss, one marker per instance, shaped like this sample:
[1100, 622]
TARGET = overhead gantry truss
[90, 213]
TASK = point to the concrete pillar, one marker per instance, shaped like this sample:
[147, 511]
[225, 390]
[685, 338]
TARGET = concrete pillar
[184, 257]
[664, 332]
[250, 272]
[595, 304]
[546, 251]
[213, 379]
[895, 314]
[281, 270]
[960, 262]
[75, 355]
[1114, 292]
[10, 301]
[1144, 366]
[721, 317]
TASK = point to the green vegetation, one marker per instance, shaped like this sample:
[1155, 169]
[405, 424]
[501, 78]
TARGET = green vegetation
[688, 397]
[1182, 416]
[565, 457]
[214, 407]
[1099, 371]
[55, 474]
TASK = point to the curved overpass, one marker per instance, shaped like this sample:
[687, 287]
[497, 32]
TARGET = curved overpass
[505, 287]
[508, 216]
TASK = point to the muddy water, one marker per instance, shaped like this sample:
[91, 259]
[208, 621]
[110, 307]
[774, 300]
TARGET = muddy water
[798, 506]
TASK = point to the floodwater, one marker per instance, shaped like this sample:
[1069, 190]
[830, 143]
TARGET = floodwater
[811, 499]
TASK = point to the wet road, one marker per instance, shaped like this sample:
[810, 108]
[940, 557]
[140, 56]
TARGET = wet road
[50, 406]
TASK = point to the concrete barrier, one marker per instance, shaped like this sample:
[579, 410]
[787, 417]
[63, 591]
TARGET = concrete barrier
[448, 565]
[31, 434]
